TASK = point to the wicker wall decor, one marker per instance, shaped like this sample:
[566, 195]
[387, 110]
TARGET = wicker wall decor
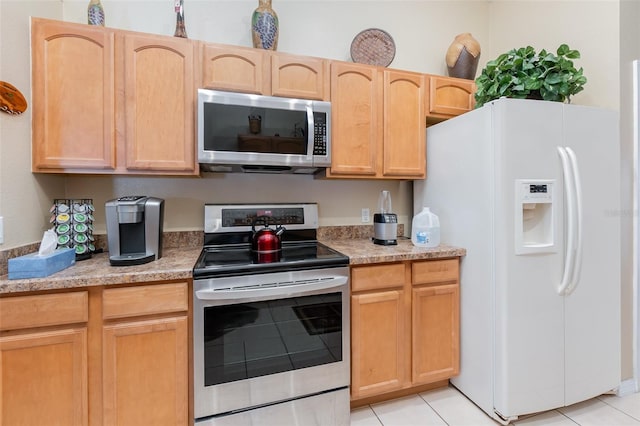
[373, 46]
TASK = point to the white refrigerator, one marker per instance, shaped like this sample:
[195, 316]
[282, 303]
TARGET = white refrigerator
[531, 190]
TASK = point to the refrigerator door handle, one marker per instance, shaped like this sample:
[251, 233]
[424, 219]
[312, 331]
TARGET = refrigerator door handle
[577, 266]
[569, 261]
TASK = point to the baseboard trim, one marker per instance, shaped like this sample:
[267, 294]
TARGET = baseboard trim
[627, 387]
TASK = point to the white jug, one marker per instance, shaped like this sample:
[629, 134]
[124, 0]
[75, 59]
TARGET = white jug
[425, 229]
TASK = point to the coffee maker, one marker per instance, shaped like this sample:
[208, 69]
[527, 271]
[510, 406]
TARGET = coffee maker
[385, 223]
[134, 229]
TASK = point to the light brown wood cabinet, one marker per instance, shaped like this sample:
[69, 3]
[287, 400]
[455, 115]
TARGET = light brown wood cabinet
[404, 326]
[242, 69]
[448, 97]
[100, 356]
[377, 123]
[73, 97]
[145, 354]
[43, 359]
[110, 101]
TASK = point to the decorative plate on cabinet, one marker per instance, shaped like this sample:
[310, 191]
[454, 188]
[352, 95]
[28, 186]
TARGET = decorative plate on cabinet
[373, 46]
[11, 100]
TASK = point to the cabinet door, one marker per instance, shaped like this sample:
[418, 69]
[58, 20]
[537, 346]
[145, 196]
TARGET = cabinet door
[159, 104]
[43, 378]
[234, 69]
[404, 143]
[299, 77]
[378, 344]
[449, 97]
[145, 373]
[356, 133]
[435, 333]
[73, 114]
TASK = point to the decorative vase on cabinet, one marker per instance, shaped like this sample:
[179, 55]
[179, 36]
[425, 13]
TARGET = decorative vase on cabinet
[264, 26]
[463, 56]
[181, 30]
[95, 13]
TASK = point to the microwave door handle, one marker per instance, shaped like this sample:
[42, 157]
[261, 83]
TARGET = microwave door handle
[311, 133]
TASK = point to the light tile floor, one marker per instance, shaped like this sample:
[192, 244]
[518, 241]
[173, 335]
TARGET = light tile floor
[447, 406]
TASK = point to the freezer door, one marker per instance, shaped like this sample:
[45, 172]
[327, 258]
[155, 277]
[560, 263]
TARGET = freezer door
[529, 314]
[592, 310]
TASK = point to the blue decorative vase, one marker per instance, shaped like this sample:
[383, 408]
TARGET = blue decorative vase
[264, 26]
[95, 13]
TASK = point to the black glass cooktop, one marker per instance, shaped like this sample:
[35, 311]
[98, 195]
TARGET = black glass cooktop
[216, 261]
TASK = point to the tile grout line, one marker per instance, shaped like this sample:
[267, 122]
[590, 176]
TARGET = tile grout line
[617, 409]
[434, 410]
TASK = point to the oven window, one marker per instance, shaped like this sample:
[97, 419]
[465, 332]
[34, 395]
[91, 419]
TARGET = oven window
[260, 338]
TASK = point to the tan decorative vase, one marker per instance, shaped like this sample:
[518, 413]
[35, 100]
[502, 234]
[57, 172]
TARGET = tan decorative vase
[264, 26]
[463, 56]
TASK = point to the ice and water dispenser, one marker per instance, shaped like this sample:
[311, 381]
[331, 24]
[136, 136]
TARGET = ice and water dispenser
[535, 227]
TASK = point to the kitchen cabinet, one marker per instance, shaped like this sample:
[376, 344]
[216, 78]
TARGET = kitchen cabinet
[235, 69]
[145, 354]
[448, 97]
[379, 329]
[43, 359]
[111, 102]
[404, 326]
[241, 69]
[377, 123]
[100, 356]
[159, 104]
[73, 97]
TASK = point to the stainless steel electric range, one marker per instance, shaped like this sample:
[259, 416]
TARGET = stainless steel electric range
[271, 330]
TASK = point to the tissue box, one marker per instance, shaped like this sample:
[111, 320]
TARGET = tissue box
[35, 266]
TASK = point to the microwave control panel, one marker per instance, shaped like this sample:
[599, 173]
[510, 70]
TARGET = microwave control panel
[319, 133]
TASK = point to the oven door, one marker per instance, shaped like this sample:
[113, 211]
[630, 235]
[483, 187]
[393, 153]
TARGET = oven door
[267, 338]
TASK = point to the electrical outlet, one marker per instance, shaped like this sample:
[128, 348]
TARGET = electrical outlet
[1, 230]
[365, 216]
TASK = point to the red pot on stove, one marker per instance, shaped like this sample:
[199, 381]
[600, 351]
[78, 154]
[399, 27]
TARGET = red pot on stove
[266, 240]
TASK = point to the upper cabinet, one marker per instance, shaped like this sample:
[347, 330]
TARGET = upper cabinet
[448, 97]
[159, 104]
[108, 101]
[73, 97]
[378, 123]
[236, 69]
[242, 69]
[299, 77]
[356, 110]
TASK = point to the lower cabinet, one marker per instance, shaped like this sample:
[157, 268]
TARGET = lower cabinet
[43, 359]
[145, 355]
[145, 372]
[404, 325]
[99, 356]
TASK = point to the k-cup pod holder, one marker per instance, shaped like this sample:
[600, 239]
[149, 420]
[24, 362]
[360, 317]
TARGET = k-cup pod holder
[72, 221]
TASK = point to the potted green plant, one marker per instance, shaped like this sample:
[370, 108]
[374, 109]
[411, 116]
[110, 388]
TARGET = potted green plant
[523, 73]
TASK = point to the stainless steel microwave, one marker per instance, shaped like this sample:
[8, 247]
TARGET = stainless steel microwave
[239, 132]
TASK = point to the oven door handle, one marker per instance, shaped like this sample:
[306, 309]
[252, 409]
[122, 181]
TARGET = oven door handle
[279, 289]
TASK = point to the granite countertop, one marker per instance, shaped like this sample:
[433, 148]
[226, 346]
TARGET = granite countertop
[364, 251]
[177, 264]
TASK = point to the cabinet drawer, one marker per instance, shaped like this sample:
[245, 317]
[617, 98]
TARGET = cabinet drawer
[434, 271]
[145, 300]
[378, 276]
[43, 310]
